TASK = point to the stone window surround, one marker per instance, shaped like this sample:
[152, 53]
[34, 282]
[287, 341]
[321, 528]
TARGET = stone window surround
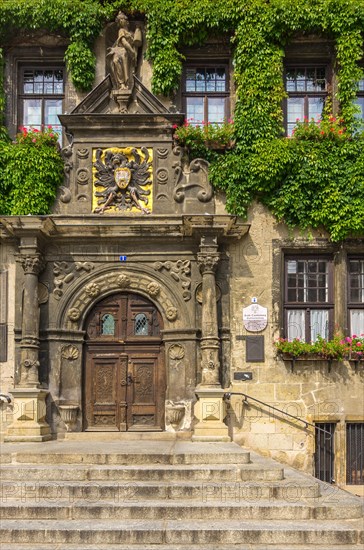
[15, 60]
[340, 255]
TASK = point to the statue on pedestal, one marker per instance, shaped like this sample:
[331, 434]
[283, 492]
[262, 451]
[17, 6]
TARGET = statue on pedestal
[123, 55]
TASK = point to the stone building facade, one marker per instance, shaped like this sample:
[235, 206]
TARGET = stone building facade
[123, 309]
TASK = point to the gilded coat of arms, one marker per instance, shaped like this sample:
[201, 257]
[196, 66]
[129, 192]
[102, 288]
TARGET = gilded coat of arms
[122, 180]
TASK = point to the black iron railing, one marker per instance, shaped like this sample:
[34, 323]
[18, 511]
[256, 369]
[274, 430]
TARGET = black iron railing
[307, 424]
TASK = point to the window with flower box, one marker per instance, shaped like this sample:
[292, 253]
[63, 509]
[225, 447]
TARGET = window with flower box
[356, 295]
[41, 93]
[308, 304]
[307, 88]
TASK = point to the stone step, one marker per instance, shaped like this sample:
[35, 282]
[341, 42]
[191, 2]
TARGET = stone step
[93, 491]
[250, 472]
[213, 532]
[126, 453]
[241, 546]
[181, 510]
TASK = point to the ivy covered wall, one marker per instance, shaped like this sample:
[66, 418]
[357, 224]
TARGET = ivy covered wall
[307, 181]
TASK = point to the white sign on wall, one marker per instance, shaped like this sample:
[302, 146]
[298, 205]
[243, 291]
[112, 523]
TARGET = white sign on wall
[255, 317]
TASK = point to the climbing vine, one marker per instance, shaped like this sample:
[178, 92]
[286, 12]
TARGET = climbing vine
[305, 182]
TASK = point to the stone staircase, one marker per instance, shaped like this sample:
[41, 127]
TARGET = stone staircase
[167, 495]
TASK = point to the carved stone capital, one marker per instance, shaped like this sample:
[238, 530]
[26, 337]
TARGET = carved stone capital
[33, 264]
[208, 262]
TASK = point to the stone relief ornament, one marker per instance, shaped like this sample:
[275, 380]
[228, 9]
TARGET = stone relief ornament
[32, 264]
[153, 289]
[70, 352]
[162, 153]
[180, 271]
[171, 313]
[92, 290]
[123, 180]
[123, 281]
[195, 177]
[74, 314]
[65, 273]
[82, 153]
[176, 352]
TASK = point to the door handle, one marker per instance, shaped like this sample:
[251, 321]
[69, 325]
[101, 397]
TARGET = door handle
[127, 381]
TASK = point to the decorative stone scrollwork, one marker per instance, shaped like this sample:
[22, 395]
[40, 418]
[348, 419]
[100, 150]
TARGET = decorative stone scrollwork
[74, 314]
[171, 313]
[32, 264]
[180, 271]
[195, 177]
[153, 289]
[66, 194]
[93, 290]
[70, 352]
[123, 281]
[66, 273]
[176, 352]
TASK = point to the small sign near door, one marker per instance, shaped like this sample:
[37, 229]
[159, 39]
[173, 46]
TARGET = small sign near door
[255, 318]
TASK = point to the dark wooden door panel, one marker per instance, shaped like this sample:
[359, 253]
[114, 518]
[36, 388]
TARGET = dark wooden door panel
[124, 371]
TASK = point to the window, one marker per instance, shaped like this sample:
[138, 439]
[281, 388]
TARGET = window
[360, 99]
[306, 88]
[41, 97]
[356, 295]
[206, 93]
[355, 453]
[308, 298]
[108, 325]
[141, 325]
[324, 451]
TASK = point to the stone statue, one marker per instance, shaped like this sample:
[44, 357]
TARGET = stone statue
[123, 54]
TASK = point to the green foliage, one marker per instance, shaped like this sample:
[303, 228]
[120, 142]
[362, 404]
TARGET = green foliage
[312, 180]
[336, 348]
[31, 169]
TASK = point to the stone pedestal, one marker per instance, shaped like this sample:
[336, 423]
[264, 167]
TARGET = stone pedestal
[29, 415]
[210, 410]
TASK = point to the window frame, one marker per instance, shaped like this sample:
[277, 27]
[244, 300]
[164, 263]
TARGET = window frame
[21, 95]
[350, 304]
[360, 95]
[305, 64]
[217, 63]
[308, 306]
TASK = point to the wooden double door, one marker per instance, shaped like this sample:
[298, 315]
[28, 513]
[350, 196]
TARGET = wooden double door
[124, 375]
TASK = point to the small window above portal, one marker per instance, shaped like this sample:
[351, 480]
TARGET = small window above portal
[107, 325]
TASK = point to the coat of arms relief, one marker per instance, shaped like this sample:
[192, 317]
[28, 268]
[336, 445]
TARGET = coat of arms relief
[122, 180]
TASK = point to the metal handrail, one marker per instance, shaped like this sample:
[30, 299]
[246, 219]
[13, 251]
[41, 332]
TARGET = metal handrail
[246, 396]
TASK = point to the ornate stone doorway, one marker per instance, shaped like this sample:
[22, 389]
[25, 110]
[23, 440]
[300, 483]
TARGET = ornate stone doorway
[124, 374]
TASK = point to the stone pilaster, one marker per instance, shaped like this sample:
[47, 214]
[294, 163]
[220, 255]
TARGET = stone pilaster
[29, 419]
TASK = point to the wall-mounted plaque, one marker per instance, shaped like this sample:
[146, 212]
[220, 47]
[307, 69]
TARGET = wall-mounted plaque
[255, 317]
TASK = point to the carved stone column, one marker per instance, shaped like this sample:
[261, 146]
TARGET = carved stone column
[208, 259]
[29, 419]
[29, 363]
[210, 407]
